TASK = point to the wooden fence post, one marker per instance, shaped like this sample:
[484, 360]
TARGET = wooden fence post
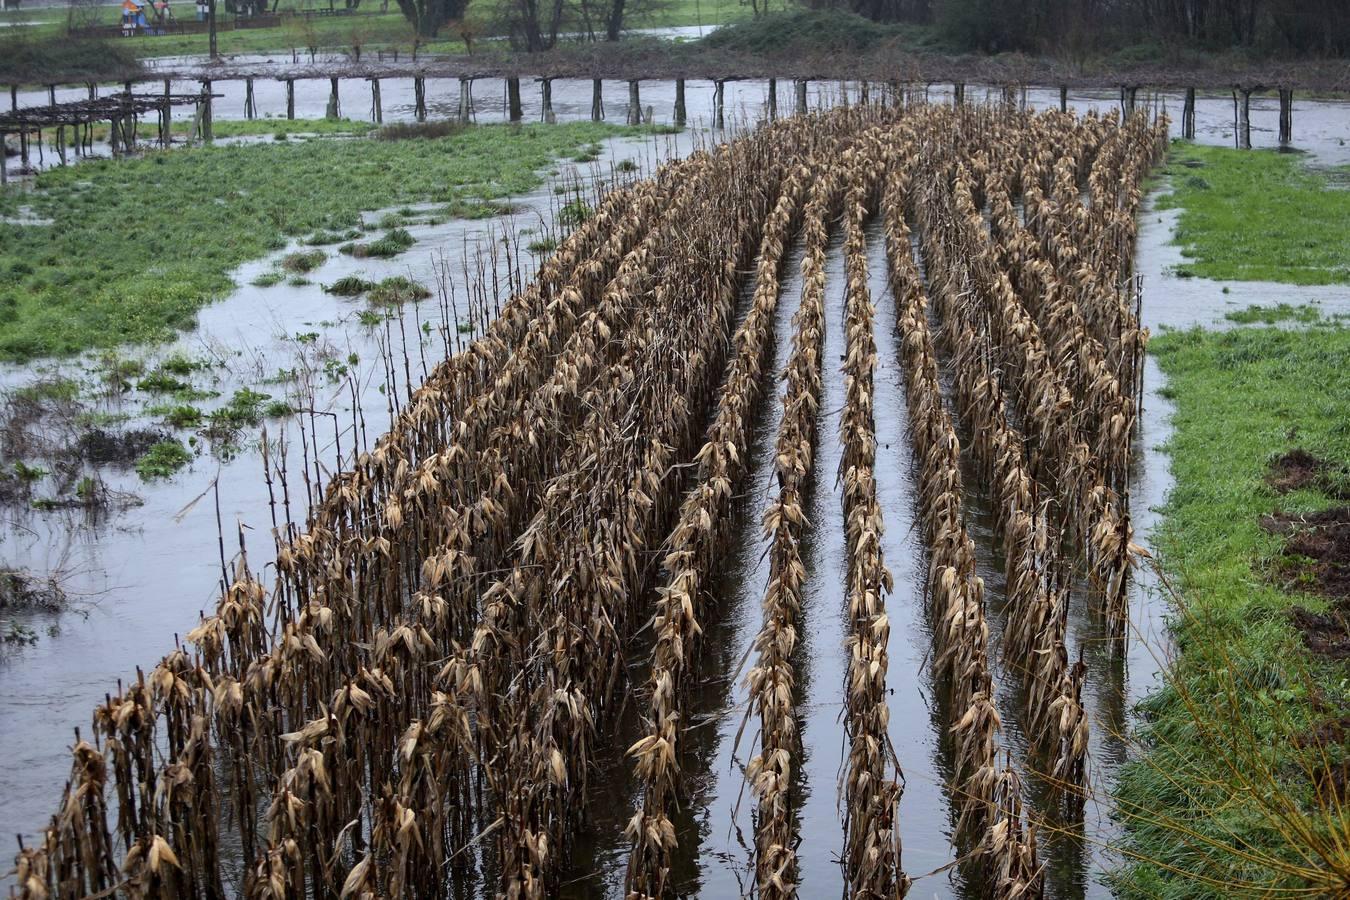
[800, 87]
[546, 100]
[1286, 117]
[634, 103]
[1188, 115]
[465, 101]
[719, 94]
[1063, 98]
[597, 100]
[420, 98]
[334, 110]
[1242, 110]
[513, 107]
[208, 133]
[376, 103]
[773, 99]
[166, 116]
[959, 94]
[290, 98]
[250, 108]
[681, 112]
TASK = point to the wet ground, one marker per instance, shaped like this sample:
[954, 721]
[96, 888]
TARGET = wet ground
[143, 573]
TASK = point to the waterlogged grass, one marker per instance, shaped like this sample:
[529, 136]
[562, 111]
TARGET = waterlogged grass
[162, 460]
[1257, 215]
[137, 246]
[1227, 788]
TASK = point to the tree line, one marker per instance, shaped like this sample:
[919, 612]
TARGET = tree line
[1314, 27]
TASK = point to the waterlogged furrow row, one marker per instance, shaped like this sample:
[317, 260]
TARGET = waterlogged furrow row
[872, 785]
[771, 680]
[990, 824]
[694, 550]
[1036, 580]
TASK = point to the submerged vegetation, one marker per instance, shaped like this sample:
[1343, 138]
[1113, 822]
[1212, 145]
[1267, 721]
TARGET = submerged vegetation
[1257, 215]
[1242, 790]
[127, 258]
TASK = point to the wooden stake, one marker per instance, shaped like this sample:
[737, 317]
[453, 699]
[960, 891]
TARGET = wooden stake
[166, 117]
[959, 94]
[208, 135]
[334, 110]
[1188, 115]
[773, 99]
[681, 113]
[719, 94]
[597, 100]
[800, 86]
[376, 107]
[514, 111]
[250, 109]
[1286, 117]
[420, 98]
[634, 103]
[1063, 98]
[290, 98]
[546, 100]
[465, 101]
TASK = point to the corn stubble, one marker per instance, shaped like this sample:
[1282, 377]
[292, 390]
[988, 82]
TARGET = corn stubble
[416, 701]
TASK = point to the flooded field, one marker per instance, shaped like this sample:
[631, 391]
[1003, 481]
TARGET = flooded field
[139, 573]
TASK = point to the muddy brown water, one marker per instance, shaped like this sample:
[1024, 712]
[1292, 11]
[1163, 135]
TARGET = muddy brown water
[145, 572]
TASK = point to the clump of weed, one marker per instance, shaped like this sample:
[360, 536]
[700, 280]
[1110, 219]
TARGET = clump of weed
[398, 289]
[298, 281]
[403, 131]
[394, 242]
[162, 460]
[267, 279]
[574, 213]
[349, 286]
[626, 165]
[182, 415]
[542, 246]
[303, 261]
[162, 382]
[118, 372]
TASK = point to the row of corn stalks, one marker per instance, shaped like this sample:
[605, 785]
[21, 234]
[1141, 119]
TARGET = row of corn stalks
[988, 797]
[872, 864]
[694, 551]
[1036, 591]
[772, 678]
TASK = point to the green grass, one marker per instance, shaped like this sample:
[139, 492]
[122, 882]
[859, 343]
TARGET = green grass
[137, 246]
[382, 31]
[1257, 215]
[162, 460]
[1243, 690]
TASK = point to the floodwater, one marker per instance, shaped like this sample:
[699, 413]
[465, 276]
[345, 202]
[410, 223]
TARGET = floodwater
[141, 574]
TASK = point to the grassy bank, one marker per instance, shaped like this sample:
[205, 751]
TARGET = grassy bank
[1241, 784]
[1258, 215]
[109, 252]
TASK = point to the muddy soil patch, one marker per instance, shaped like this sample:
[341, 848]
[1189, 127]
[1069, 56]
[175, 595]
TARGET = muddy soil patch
[1300, 469]
[1316, 549]
[102, 447]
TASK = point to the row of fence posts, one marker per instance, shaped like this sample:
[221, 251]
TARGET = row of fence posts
[203, 128]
